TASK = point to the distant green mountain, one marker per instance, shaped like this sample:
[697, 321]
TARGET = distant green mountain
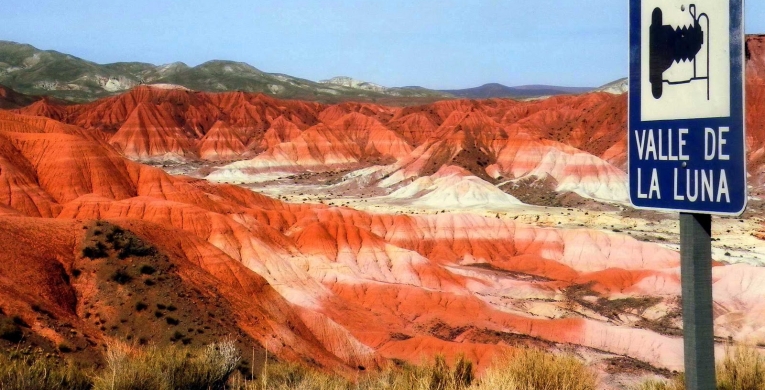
[29, 70]
[494, 90]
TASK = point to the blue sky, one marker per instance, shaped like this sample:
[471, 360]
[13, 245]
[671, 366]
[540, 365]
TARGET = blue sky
[433, 43]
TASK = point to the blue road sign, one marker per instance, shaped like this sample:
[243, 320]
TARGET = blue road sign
[686, 143]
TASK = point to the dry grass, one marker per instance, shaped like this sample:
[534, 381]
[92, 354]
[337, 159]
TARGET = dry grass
[534, 369]
[132, 368]
[674, 384]
[29, 372]
[743, 368]
[530, 369]
[129, 367]
[432, 376]
[213, 367]
[283, 376]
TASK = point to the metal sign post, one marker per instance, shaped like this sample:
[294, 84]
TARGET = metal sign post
[698, 325]
[686, 141]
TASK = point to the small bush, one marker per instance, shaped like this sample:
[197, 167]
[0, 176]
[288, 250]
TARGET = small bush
[128, 245]
[95, 251]
[64, 347]
[172, 321]
[19, 321]
[141, 306]
[10, 331]
[147, 269]
[121, 277]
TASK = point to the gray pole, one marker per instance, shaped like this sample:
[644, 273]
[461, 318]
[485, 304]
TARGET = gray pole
[696, 277]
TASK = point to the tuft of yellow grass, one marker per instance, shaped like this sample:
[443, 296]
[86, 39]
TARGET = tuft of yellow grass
[654, 384]
[535, 369]
[428, 376]
[132, 368]
[129, 367]
[742, 368]
[29, 372]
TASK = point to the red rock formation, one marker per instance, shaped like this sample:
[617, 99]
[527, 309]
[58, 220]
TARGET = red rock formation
[44, 107]
[222, 142]
[45, 254]
[354, 286]
[149, 132]
[591, 123]
[755, 57]
[342, 286]
[281, 130]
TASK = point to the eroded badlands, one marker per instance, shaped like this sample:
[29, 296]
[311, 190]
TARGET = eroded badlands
[350, 234]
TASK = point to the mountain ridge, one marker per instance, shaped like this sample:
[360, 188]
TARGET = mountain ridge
[32, 71]
[496, 90]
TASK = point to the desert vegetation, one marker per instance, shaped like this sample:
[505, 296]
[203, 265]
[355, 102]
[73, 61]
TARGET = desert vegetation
[535, 369]
[128, 367]
[217, 366]
[743, 368]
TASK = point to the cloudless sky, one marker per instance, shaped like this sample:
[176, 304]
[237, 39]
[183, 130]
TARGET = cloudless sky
[437, 44]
